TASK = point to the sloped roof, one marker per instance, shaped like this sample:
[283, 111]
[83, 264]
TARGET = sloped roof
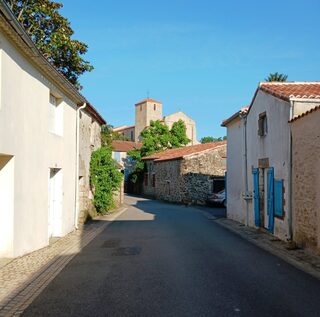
[122, 128]
[287, 90]
[242, 111]
[305, 113]
[147, 100]
[174, 154]
[125, 146]
[95, 114]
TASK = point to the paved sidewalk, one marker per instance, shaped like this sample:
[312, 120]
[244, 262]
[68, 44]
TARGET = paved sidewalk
[302, 259]
[24, 278]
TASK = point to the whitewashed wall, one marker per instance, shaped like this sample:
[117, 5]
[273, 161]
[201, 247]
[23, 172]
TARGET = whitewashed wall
[275, 146]
[24, 134]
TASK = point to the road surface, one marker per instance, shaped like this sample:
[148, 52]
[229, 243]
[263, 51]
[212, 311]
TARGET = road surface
[159, 259]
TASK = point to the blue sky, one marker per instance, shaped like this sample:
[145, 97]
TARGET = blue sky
[202, 57]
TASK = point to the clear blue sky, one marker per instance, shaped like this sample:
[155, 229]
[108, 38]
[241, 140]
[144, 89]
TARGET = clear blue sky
[202, 57]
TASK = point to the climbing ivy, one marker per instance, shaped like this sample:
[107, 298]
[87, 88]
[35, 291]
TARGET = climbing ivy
[105, 179]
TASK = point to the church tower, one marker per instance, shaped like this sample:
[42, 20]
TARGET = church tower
[146, 110]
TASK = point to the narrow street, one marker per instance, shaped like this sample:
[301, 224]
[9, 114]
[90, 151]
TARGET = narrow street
[160, 259]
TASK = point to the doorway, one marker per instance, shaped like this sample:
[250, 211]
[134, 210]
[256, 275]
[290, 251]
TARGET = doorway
[6, 205]
[55, 203]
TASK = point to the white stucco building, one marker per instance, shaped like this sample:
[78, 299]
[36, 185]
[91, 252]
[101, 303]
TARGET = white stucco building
[259, 166]
[38, 144]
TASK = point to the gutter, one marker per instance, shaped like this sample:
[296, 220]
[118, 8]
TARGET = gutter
[290, 233]
[76, 214]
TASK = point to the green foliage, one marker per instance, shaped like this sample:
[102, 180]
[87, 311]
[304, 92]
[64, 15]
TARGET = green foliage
[178, 134]
[108, 135]
[105, 179]
[276, 77]
[52, 34]
[156, 138]
[208, 139]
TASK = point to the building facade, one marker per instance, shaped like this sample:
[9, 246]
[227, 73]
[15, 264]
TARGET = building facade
[306, 179]
[38, 144]
[261, 139]
[184, 175]
[90, 140]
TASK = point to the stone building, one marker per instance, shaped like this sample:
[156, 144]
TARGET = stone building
[90, 140]
[184, 175]
[306, 179]
[150, 109]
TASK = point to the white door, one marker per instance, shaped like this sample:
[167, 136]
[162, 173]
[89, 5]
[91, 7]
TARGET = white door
[55, 203]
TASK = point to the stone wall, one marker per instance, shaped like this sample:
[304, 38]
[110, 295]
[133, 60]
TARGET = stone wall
[306, 180]
[197, 171]
[187, 180]
[168, 181]
[90, 140]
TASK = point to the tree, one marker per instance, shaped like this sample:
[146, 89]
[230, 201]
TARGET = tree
[276, 77]
[208, 139]
[108, 135]
[178, 133]
[156, 138]
[105, 179]
[52, 35]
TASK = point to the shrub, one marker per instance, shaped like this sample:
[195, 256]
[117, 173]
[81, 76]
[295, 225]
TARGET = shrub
[105, 179]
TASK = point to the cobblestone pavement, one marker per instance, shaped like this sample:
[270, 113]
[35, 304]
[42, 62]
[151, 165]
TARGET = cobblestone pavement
[24, 278]
[300, 258]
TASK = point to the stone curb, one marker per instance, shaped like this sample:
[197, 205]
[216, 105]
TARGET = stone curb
[14, 302]
[301, 259]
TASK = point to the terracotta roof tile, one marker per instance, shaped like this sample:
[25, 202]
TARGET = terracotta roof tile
[242, 111]
[305, 113]
[174, 154]
[125, 146]
[122, 128]
[147, 100]
[287, 90]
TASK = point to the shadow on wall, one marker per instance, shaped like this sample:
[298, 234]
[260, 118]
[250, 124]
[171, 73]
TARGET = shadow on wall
[191, 188]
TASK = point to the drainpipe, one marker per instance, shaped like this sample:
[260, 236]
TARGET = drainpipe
[290, 234]
[245, 154]
[76, 214]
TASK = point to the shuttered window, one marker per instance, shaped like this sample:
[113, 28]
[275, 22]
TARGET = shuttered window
[278, 198]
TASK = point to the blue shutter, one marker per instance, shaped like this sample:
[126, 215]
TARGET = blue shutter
[255, 173]
[225, 186]
[278, 197]
[270, 184]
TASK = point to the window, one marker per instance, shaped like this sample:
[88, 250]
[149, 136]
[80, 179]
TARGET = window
[140, 107]
[146, 176]
[131, 136]
[153, 180]
[262, 124]
[55, 115]
[154, 107]
[117, 156]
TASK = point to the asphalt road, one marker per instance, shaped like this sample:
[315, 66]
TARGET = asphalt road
[159, 259]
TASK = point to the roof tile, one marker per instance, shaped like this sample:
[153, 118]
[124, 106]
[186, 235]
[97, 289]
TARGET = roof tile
[174, 154]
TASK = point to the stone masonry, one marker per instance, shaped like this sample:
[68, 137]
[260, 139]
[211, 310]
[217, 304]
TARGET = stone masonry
[306, 180]
[185, 180]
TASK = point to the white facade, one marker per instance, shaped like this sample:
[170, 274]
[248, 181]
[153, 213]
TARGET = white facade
[235, 181]
[259, 163]
[37, 152]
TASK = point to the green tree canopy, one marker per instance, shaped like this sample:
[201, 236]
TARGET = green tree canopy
[156, 138]
[276, 77]
[178, 134]
[52, 34]
[208, 139]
